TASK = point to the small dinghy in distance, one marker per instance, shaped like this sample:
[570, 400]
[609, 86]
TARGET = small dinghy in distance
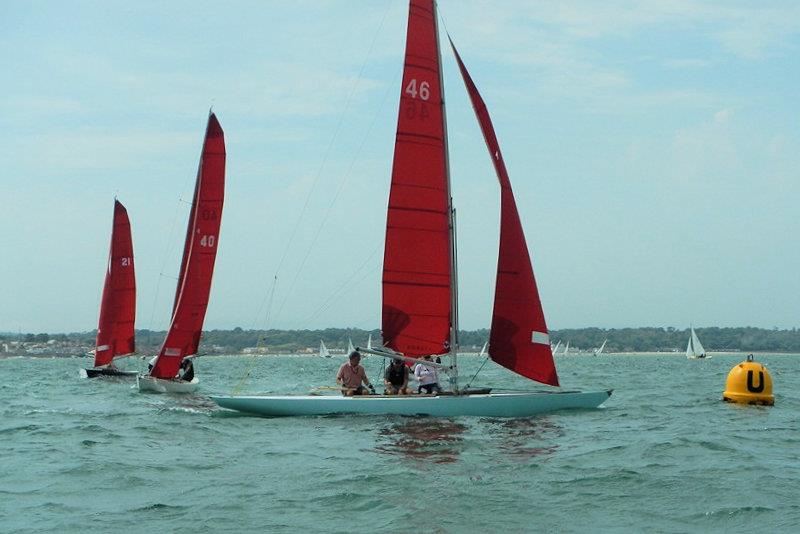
[197, 269]
[694, 349]
[115, 331]
[420, 293]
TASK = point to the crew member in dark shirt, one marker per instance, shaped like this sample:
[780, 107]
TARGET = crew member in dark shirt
[396, 378]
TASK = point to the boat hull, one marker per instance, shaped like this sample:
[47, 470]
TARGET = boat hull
[490, 405]
[102, 371]
[159, 385]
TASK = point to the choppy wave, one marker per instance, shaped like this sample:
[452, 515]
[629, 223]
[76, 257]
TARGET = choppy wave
[664, 455]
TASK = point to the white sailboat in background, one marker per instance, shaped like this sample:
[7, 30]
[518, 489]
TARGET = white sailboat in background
[598, 352]
[558, 345]
[483, 350]
[323, 350]
[566, 349]
[694, 349]
[369, 342]
[350, 347]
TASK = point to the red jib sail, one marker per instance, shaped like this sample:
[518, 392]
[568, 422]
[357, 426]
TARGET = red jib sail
[115, 334]
[416, 261]
[518, 340]
[199, 253]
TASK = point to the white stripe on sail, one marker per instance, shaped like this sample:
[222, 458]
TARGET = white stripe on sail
[540, 337]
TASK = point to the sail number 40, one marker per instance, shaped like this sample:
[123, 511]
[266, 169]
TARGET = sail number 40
[424, 90]
[207, 241]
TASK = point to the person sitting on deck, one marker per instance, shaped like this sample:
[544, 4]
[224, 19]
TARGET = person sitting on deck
[396, 378]
[428, 378]
[151, 363]
[187, 370]
[351, 375]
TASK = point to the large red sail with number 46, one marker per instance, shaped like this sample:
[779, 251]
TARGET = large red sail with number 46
[518, 340]
[199, 254]
[115, 334]
[416, 262]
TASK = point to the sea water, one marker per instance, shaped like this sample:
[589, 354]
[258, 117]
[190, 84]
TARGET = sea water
[665, 454]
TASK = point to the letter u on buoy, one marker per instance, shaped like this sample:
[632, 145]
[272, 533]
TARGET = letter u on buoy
[755, 389]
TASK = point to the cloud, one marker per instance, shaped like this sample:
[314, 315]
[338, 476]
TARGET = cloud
[686, 63]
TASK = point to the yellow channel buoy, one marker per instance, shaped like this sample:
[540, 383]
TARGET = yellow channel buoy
[749, 383]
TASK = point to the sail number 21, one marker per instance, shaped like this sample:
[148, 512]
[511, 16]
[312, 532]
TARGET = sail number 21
[424, 89]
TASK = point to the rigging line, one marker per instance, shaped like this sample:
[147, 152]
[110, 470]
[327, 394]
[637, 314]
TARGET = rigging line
[166, 255]
[314, 185]
[328, 305]
[478, 371]
[339, 190]
[332, 142]
[171, 236]
[341, 287]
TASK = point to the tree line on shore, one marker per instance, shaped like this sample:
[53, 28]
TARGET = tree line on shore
[643, 339]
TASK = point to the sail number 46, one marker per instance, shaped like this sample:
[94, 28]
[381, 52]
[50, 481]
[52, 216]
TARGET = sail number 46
[207, 241]
[424, 90]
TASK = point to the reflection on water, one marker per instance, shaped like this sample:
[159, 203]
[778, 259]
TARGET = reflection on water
[438, 440]
[444, 440]
[525, 438]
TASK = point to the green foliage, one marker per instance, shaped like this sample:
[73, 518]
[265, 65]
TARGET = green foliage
[644, 339]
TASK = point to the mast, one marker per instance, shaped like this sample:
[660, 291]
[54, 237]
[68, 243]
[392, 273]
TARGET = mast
[451, 217]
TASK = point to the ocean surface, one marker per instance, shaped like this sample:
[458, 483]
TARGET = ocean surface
[665, 454]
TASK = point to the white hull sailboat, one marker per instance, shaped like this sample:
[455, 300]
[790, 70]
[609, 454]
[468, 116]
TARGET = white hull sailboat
[694, 349]
[323, 350]
[420, 282]
[599, 351]
[480, 405]
[151, 384]
[197, 269]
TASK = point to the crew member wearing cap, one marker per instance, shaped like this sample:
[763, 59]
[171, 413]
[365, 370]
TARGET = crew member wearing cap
[351, 375]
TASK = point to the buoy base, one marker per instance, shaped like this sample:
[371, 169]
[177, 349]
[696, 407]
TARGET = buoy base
[759, 400]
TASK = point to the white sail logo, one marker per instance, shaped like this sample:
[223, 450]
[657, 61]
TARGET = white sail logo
[540, 337]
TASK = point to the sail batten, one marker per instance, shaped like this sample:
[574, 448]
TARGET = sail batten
[517, 317]
[199, 255]
[416, 317]
[115, 329]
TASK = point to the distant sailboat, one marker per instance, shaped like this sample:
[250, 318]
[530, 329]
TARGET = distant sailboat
[599, 351]
[369, 342]
[323, 350]
[350, 348]
[197, 269]
[566, 349]
[694, 349]
[420, 290]
[483, 349]
[555, 349]
[115, 333]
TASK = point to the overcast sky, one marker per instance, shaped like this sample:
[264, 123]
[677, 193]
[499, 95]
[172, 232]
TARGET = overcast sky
[654, 149]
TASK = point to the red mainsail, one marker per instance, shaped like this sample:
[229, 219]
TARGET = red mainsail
[518, 340]
[416, 261]
[199, 254]
[115, 335]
